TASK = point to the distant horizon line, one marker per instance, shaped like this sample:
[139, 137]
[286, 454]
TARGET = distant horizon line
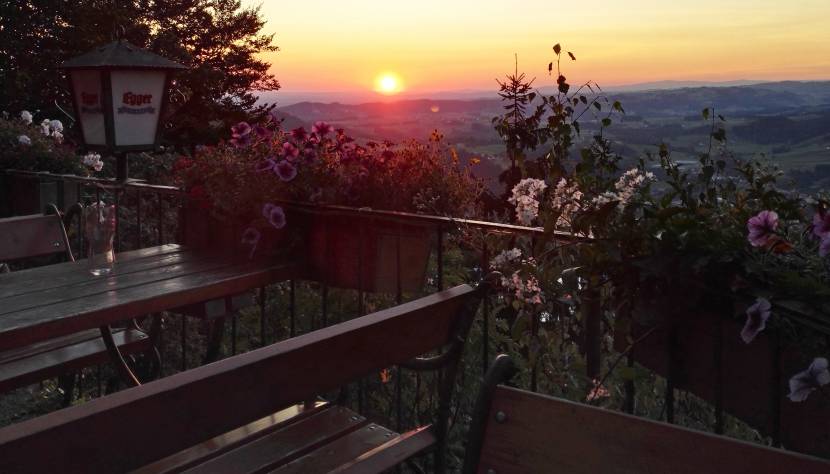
[285, 98]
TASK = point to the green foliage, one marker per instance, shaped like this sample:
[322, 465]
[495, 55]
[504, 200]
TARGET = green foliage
[218, 41]
[43, 153]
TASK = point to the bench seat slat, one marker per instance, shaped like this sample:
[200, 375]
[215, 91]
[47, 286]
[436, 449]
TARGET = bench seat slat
[41, 361]
[218, 445]
[340, 451]
[390, 454]
[285, 444]
[545, 434]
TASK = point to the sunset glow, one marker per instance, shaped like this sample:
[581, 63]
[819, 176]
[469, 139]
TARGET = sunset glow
[388, 83]
[466, 44]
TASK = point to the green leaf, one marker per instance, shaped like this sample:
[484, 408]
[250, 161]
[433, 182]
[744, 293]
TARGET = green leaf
[583, 99]
[557, 49]
[721, 118]
[606, 122]
[573, 58]
[618, 107]
[550, 67]
[576, 126]
[705, 113]
[597, 105]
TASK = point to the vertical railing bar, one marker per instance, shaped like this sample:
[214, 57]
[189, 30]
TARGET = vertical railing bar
[485, 304]
[138, 218]
[670, 379]
[361, 385]
[399, 287]
[326, 272]
[117, 199]
[630, 389]
[440, 257]
[262, 332]
[233, 333]
[160, 218]
[719, 380]
[184, 342]
[292, 329]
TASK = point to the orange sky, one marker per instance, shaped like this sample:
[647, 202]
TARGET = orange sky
[441, 45]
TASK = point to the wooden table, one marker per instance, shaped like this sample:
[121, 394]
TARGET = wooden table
[58, 300]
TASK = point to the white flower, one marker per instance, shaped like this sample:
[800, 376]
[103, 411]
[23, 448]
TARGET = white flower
[26, 117]
[56, 125]
[567, 200]
[24, 140]
[93, 160]
[58, 136]
[629, 183]
[45, 127]
[505, 257]
[525, 197]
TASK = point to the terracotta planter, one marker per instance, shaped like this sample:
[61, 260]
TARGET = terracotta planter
[363, 253]
[752, 387]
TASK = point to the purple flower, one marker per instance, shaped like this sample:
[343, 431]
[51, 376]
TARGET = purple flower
[824, 246]
[821, 224]
[274, 215]
[241, 129]
[802, 383]
[285, 170]
[266, 165]
[262, 132]
[756, 319]
[309, 153]
[251, 237]
[321, 128]
[762, 228]
[290, 151]
[241, 134]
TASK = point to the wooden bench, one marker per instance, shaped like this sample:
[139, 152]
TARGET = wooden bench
[515, 431]
[215, 418]
[44, 236]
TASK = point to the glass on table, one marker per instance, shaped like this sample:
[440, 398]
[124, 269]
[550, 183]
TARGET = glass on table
[99, 227]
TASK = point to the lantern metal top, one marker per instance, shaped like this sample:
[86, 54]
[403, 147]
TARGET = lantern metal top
[120, 54]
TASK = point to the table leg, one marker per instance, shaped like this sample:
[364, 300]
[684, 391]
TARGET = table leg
[127, 375]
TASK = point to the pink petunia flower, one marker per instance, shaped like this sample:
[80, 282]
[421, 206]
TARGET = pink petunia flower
[762, 228]
[285, 170]
[266, 165]
[251, 237]
[322, 128]
[299, 134]
[821, 224]
[803, 383]
[756, 319]
[274, 214]
[290, 151]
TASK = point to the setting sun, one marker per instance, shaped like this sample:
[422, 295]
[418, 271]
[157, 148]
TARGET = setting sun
[388, 83]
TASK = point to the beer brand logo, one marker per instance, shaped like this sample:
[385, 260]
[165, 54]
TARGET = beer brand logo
[136, 99]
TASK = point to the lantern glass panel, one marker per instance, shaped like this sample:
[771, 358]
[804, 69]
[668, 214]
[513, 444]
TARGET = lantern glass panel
[88, 95]
[136, 100]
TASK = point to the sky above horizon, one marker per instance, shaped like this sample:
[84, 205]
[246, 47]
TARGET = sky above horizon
[451, 45]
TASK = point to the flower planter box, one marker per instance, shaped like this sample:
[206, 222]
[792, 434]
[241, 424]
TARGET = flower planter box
[368, 254]
[204, 232]
[748, 375]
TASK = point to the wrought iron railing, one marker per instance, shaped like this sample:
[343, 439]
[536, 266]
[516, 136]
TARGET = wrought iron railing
[149, 215]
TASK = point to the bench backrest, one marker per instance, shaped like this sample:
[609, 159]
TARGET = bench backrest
[33, 236]
[132, 428]
[527, 432]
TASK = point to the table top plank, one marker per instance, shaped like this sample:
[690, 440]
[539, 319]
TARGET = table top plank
[67, 317]
[162, 270]
[63, 274]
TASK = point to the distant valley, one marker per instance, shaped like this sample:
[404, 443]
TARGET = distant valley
[788, 122]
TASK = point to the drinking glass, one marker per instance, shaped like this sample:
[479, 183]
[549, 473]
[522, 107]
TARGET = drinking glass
[99, 225]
